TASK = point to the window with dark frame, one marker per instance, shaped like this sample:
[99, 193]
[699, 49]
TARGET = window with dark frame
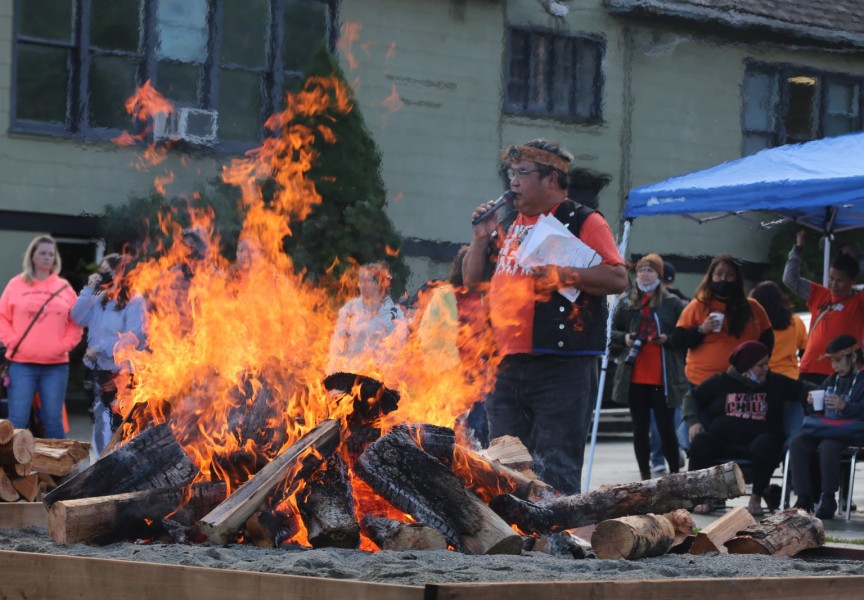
[75, 62]
[784, 104]
[553, 75]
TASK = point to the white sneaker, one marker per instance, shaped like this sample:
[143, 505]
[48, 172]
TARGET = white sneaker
[658, 469]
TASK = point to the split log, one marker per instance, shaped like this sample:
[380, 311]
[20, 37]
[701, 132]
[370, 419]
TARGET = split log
[390, 534]
[713, 537]
[326, 505]
[7, 429]
[563, 543]
[20, 469]
[422, 486]
[106, 519]
[487, 478]
[664, 494]
[633, 537]
[27, 486]
[8, 493]
[151, 460]
[300, 459]
[784, 534]
[509, 451]
[19, 449]
[59, 457]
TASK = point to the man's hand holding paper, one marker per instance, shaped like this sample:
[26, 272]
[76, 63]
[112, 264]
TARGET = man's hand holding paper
[551, 244]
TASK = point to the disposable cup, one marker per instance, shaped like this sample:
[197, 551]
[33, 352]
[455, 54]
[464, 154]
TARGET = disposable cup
[818, 397]
[719, 316]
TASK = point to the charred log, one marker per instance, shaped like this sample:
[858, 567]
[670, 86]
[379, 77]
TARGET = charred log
[563, 543]
[435, 440]
[326, 506]
[152, 460]
[369, 399]
[529, 517]
[422, 486]
[298, 461]
[488, 478]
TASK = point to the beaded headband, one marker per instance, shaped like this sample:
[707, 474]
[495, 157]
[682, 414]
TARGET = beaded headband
[541, 157]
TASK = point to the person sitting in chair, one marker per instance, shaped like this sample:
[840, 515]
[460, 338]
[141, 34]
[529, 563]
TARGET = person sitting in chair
[739, 415]
[829, 428]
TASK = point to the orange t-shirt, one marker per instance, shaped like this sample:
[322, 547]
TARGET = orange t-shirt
[511, 292]
[712, 355]
[787, 343]
[829, 318]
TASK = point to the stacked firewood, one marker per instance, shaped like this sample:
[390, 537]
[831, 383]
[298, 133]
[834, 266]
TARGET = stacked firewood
[31, 465]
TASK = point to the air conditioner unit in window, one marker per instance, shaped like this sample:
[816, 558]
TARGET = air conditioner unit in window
[193, 125]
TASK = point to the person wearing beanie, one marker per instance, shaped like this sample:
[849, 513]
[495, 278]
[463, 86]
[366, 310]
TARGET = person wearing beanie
[824, 434]
[669, 281]
[649, 377]
[738, 414]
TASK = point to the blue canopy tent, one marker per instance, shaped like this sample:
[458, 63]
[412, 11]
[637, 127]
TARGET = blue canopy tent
[818, 184]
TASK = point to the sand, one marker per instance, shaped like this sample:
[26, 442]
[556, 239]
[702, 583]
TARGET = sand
[420, 568]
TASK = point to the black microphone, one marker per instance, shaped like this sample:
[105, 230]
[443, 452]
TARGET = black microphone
[504, 199]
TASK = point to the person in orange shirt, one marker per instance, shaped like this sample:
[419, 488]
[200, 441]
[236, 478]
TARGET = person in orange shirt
[38, 332]
[837, 309]
[790, 334]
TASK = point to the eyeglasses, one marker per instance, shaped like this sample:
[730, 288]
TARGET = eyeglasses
[514, 173]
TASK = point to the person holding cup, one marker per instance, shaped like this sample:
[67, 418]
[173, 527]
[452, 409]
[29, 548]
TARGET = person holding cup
[816, 450]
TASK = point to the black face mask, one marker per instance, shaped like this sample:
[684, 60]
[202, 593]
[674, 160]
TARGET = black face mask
[106, 278]
[723, 289]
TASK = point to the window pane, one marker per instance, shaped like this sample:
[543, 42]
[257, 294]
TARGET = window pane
[588, 80]
[115, 24]
[800, 118]
[305, 33]
[112, 81]
[179, 82]
[562, 77]
[517, 77]
[842, 108]
[49, 19]
[245, 32]
[539, 96]
[182, 30]
[760, 101]
[239, 105]
[40, 89]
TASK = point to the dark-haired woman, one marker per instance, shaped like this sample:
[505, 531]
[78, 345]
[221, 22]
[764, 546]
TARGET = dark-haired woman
[790, 333]
[114, 320]
[719, 318]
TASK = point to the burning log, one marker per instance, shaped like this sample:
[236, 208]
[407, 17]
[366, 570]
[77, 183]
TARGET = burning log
[253, 421]
[422, 486]
[478, 472]
[390, 534]
[713, 537]
[784, 534]
[678, 490]
[268, 528]
[326, 506]
[508, 450]
[435, 440]
[105, 519]
[633, 537]
[227, 518]
[151, 460]
[370, 400]
[563, 543]
[59, 457]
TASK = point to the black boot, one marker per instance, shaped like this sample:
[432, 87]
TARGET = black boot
[804, 502]
[827, 507]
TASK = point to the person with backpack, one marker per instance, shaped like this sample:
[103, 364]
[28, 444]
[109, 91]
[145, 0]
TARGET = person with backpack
[547, 379]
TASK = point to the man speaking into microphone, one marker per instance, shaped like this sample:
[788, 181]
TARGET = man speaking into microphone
[547, 380]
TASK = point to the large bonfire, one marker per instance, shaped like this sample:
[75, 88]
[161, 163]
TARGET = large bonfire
[220, 333]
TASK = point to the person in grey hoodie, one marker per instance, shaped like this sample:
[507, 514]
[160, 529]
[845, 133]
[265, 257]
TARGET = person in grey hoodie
[111, 317]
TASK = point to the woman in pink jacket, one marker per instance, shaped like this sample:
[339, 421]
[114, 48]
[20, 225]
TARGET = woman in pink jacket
[38, 332]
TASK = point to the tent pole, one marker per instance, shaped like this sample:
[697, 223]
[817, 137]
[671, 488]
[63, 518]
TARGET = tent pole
[604, 366]
[826, 259]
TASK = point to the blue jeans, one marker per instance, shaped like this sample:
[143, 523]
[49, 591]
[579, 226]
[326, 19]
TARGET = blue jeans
[546, 401]
[50, 381]
[657, 458]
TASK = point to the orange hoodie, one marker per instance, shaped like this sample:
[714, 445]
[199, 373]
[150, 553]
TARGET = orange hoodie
[53, 335]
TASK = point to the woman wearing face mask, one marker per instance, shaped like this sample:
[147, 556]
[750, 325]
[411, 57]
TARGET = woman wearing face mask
[650, 371]
[740, 415]
[113, 318]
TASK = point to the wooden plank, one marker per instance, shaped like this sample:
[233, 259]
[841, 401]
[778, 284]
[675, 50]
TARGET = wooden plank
[28, 575]
[20, 515]
[745, 588]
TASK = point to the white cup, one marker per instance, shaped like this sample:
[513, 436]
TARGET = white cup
[719, 316]
[818, 397]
